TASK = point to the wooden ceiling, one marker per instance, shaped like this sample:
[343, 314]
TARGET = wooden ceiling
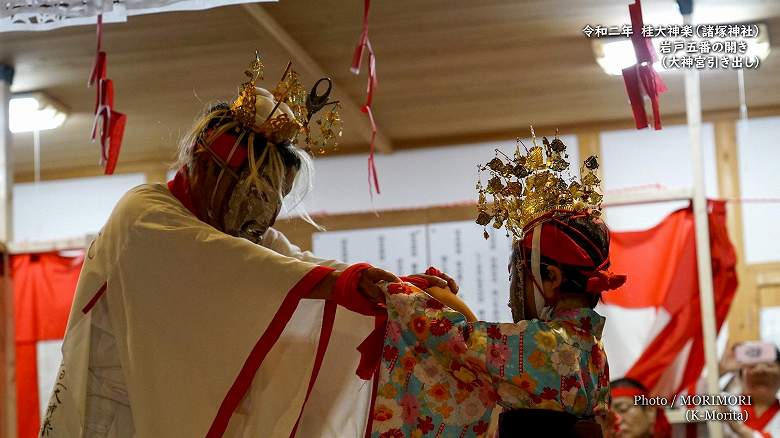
[449, 70]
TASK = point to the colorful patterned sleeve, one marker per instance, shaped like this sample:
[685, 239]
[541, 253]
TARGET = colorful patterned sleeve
[558, 365]
[545, 365]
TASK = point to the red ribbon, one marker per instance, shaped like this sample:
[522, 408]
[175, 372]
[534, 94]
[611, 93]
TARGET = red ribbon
[602, 280]
[641, 79]
[223, 145]
[346, 294]
[109, 125]
[357, 58]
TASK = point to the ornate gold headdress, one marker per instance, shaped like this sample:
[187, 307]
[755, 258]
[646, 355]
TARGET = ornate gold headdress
[533, 184]
[294, 126]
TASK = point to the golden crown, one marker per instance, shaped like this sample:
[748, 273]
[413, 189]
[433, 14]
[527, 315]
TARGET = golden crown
[280, 126]
[533, 184]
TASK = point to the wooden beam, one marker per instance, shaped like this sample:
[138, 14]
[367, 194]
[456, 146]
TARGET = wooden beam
[576, 128]
[305, 62]
[743, 316]
[7, 393]
[155, 171]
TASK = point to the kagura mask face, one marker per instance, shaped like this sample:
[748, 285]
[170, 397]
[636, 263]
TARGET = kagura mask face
[252, 208]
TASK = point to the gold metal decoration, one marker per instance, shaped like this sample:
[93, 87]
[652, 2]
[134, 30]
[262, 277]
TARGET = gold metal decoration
[531, 184]
[280, 126]
[244, 107]
[330, 129]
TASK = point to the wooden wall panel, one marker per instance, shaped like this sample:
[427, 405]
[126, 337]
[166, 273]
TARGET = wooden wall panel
[743, 318]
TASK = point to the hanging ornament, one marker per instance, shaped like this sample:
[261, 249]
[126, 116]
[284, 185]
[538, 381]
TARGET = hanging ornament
[641, 79]
[365, 45]
[109, 125]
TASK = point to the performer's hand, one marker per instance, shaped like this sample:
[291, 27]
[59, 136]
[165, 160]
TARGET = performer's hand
[728, 363]
[441, 280]
[367, 285]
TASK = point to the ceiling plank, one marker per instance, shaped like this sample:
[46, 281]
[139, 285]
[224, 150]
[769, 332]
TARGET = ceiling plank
[310, 65]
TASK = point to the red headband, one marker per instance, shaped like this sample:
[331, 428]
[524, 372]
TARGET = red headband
[627, 391]
[560, 246]
[221, 147]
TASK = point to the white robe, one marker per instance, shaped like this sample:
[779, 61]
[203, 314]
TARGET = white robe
[772, 428]
[183, 309]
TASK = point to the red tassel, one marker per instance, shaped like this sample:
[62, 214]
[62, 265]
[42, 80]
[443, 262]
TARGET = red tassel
[364, 44]
[108, 123]
[641, 79]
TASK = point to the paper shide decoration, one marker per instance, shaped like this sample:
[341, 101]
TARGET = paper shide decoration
[641, 79]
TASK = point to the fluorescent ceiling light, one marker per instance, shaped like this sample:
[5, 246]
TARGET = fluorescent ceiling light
[34, 112]
[615, 54]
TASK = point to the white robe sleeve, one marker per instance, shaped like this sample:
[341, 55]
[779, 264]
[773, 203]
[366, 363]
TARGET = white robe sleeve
[193, 312]
[277, 241]
[340, 400]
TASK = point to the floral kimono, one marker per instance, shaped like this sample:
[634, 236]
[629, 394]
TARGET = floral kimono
[441, 376]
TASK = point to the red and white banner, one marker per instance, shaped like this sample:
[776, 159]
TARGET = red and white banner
[43, 286]
[653, 331]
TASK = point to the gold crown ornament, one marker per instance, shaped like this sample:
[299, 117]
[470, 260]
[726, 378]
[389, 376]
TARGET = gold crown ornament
[290, 110]
[532, 184]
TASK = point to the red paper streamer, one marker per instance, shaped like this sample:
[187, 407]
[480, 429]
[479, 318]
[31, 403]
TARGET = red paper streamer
[109, 125]
[365, 45]
[641, 79]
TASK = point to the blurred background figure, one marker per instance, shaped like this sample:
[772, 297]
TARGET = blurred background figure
[757, 367]
[634, 420]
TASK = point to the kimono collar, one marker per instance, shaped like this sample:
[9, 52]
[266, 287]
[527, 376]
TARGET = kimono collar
[180, 188]
[584, 318]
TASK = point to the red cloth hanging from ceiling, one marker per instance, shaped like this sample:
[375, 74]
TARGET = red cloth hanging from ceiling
[43, 286]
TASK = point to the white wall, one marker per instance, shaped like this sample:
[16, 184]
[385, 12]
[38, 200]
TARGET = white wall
[446, 175]
[758, 143]
[408, 179]
[634, 158]
[63, 209]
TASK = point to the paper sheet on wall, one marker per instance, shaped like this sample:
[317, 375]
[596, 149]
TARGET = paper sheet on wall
[770, 324]
[479, 266]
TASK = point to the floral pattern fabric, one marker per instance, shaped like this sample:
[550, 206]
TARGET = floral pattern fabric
[441, 376]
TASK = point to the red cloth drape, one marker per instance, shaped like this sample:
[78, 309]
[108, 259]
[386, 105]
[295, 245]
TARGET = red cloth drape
[43, 286]
[661, 263]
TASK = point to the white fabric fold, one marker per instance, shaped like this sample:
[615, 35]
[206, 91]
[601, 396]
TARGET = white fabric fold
[186, 304]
